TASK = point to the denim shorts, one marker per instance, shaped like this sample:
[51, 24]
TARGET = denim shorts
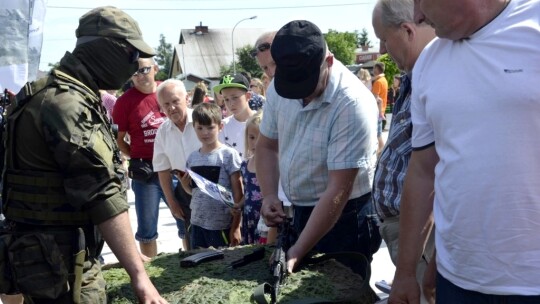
[356, 230]
[147, 199]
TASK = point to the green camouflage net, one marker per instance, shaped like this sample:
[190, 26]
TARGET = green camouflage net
[215, 282]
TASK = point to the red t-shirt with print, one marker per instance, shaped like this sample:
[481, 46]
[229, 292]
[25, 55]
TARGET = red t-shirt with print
[138, 114]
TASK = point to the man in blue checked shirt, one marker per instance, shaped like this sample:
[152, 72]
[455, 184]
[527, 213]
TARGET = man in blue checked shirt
[403, 40]
[318, 136]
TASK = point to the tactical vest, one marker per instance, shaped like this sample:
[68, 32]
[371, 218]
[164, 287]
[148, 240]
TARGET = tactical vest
[38, 197]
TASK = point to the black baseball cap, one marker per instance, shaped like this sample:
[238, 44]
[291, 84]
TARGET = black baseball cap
[232, 81]
[298, 50]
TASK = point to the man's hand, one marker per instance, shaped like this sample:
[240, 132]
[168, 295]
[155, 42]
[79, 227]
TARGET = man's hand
[186, 181]
[272, 211]
[405, 289]
[294, 256]
[176, 210]
[147, 293]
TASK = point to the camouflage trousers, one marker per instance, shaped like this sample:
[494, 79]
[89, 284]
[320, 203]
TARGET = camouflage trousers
[92, 289]
[50, 266]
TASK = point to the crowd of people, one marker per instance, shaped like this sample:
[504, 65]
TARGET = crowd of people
[454, 199]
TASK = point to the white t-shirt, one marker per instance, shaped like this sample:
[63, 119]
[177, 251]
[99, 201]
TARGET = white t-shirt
[478, 99]
[233, 134]
[172, 146]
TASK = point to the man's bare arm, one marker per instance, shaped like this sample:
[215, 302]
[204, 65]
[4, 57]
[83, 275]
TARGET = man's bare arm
[165, 181]
[325, 214]
[123, 145]
[267, 167]
[118, 234]
[415, 223]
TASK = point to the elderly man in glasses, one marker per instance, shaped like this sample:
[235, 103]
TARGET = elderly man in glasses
[137, 114]
[261, 52]
[64, 176]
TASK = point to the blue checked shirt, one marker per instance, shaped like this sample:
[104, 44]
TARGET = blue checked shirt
[335, 131]
[394, 160]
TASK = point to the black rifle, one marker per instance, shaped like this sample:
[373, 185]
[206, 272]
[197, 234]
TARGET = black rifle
[279, 263]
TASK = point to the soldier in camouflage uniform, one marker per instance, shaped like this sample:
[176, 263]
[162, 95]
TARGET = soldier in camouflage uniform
[63, 176]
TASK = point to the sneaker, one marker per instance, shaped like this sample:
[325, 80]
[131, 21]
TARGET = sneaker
[384, 286]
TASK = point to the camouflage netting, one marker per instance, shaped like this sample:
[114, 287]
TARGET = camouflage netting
[215, 282]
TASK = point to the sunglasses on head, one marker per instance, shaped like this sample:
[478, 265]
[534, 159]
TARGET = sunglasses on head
[259, 49]
[143, 71]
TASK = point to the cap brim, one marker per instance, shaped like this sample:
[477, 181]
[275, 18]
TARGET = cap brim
[287, 88]
[218, 88]
[145, 51]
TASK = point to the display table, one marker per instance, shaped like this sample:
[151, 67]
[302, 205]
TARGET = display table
[216, 282]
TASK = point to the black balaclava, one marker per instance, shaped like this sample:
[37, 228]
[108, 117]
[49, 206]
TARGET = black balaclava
[107, 61]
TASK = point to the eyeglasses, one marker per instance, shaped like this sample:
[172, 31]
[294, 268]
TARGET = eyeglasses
[252, 85]
[259, 49]
[143, 71]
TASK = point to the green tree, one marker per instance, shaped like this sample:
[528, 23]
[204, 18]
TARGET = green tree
[342, 45]
[163, 58]
[53, 66]
[363, 38]
[244, 63]
[390, 68]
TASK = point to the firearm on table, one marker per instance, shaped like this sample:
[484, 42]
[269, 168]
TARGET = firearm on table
[279, 262]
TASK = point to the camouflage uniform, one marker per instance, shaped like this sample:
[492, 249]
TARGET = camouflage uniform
[62, 177]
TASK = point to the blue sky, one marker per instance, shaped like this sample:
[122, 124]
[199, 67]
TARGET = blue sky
[168, 17]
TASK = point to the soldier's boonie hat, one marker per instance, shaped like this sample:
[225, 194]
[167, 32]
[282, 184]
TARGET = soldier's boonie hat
[109, 21]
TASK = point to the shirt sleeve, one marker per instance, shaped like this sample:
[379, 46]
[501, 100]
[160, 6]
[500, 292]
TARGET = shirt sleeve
[422, 131]
[160, 160]
[84, 149]
[268, 126]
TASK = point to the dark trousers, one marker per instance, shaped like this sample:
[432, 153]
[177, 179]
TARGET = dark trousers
[204, 238]
[448, 293]
[356, 230]
[185, 200]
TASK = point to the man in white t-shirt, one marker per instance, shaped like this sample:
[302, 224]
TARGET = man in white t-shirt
[475, 108]
[175, 140]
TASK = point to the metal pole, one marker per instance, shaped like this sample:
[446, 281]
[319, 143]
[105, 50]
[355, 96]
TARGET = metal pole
[232, 40]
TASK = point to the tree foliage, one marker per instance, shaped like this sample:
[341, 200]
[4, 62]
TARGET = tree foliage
[244, 63]
[342, 45]
[363, 38]
[390, 68]
[163, 58]
[53, 66]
